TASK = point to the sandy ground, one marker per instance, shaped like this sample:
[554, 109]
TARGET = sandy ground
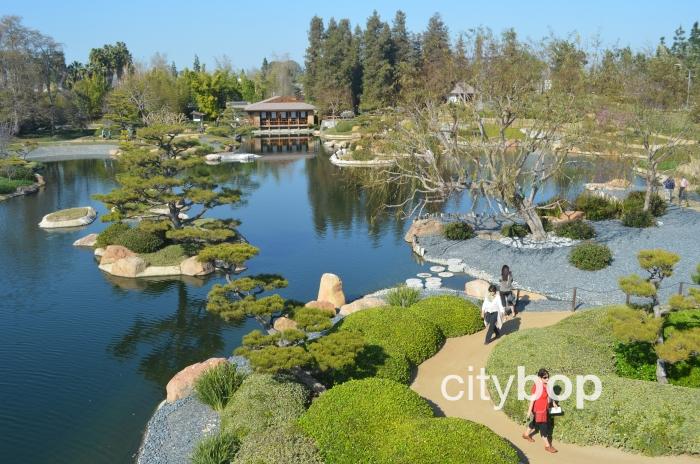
[458, 353]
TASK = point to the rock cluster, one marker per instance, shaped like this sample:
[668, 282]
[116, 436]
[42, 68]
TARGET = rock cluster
[423, 228]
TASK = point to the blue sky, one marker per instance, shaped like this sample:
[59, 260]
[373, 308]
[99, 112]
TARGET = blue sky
[247, 31]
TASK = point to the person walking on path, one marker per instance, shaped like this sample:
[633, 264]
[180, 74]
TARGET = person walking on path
[538, 410]
[683, 191]
[492, 312]
[670, 186]
[505, 287]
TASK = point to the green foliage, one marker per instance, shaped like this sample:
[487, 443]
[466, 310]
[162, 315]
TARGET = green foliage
[458, 231]
[217, 449]
[238, 299]
[515, 230]
[230, 255]
[139, 241]
[385, 422]
[343, 126]
[636, 360]
[658, 262]
[284, 444]
[220, 131]
[638, 218]
[635, 202]
[9, 186]
[110, 235]
[217, 385]
[171, 255]
[696, 276]
[453, 315]
[631, 325]
[575, 230]
[403, 296]
[596, 208]
[262, 402]
[635, 285]
[336, 354]
[274, 359]
[590, 256]
[643, 417]
[312, 319]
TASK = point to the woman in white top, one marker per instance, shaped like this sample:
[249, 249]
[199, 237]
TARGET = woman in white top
[493, 313]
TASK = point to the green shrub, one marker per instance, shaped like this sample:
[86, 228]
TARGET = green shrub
[458, 231]
[638, 416]
[262, 402]
[635, 202]
[403, 296]
[220, 131]
[575, 230]
[590, 256]
[312, 319]
[343, 126]
[515, 230]
[10, 185]
[278, 445]
[385, 422]
[635, 361]
[393, 334]
[139, 241]
[596, 208]
[110, 234]
[171, 255]
[638, 218]
[216, 449]
[217, 385]
[453, 315]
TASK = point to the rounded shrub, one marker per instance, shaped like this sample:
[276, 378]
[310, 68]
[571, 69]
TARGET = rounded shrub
[110, 234]
[217, 385]
[596, 208]
[638, 218]
[515, 230]
[216, 449]
[6, 187]
[279, 444]
[365, 411]
[453, 315]
[262, 402]
[575, 230]
[139, 241]
[635, 202]
[590, 256]
[458, 231]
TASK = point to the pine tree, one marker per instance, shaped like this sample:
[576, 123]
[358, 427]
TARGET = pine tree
[679, 43]
[196, 66]
[335, 70]
[313, 58]
[378, 76]
[436, 57]
[459, 61]
[173, 69]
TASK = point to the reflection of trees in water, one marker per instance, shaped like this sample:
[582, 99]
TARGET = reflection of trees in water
[69, 171]
[337, 201]
[164, 345]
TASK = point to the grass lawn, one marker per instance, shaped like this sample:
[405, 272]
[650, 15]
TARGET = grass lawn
[67, 214]
[10, 185]
[171, 255]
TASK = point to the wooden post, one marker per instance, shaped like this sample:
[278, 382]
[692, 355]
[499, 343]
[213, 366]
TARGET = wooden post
[573, 301]
[627, 299]
[680, 288]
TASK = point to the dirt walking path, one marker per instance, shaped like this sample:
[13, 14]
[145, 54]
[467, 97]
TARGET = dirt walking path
[458, 353]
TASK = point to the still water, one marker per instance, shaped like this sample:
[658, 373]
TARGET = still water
[85, 356]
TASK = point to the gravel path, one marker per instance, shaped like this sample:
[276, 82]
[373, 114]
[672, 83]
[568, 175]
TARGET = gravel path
[549, 272]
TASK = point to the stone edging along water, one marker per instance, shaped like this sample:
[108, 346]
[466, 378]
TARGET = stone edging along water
[27, 189]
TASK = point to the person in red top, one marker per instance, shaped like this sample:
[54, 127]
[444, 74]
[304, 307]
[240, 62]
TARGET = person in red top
[539, 411]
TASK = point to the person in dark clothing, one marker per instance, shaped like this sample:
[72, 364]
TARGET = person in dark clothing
[506, 291]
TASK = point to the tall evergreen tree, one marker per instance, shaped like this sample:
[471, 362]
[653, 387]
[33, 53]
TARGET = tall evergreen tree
[679, 45]
[378, 75]
[402, 52]
[336, 66]
[313, 58]
[436, 57]
[196, 67]
[357, 72]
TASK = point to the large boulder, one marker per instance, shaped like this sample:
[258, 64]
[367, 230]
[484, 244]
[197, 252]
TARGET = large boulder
[87, 214]
[192, 267]
[423, 228]
[87, 241]
[322, 305]
[362, 303]
[331, 290]
[567, 216]
[131, 266]
[182, 384]
[114, 253]
[528, 295]
[476, 288]
[284, 323]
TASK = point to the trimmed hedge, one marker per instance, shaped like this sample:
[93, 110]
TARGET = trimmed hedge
[596, 208]
[590, 256]
[454, 316]
[110, 234]
[575, 230]
[394, 336]
[635, 202]
[381, 421]
[278, 445]
[262, 402]
[458, 231]
[638, 218]
[139, 241]
[638, 416]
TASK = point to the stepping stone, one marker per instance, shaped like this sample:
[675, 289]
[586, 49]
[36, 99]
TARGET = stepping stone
[446, 274]
[455, 268]
[433, 279]
[454, 261]
[437, 268]
[433, 285]
[414, 283]
[424, 275]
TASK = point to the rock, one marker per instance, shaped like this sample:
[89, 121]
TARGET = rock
[476, 288]
[87, 218]
[489, 235]
[115, 252]
[87, 241]
[39, 179]
[322, 305]
[568, 216]
[355, 128]
[182, 384]
[331, 290]
[99, 252]
[130, 266]
[424, 227]
[284, 323]
[532, 296]
[192, 267]
[362, 303]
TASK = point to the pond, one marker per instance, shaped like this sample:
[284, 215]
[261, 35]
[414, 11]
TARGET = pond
[86, 356]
